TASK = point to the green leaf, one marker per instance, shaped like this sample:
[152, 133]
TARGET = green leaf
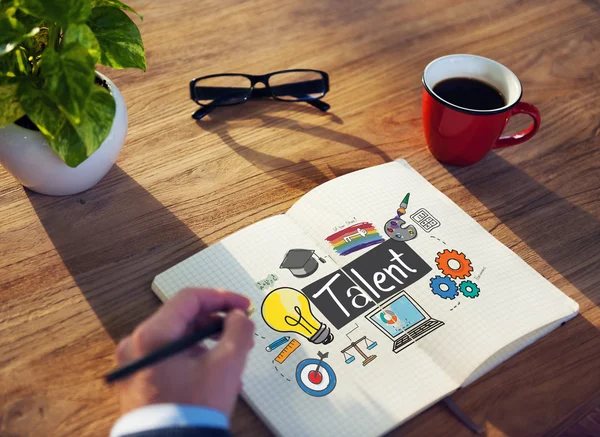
[97, 119]
[11, 107]
[63, 12]
[115, 4]
[69, 77]
[83, 35]
[119, 38]
[15, 63]
[42, 110]
[73, 143]
[12, 32]
[29, 21]
[8, 7]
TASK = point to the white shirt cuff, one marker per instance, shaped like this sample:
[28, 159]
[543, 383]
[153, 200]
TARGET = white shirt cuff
[168, 416]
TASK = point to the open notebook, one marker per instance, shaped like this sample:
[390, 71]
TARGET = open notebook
[376, 296]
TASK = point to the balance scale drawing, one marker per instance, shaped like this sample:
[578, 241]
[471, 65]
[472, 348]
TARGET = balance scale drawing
[356, 345]
[316, 377]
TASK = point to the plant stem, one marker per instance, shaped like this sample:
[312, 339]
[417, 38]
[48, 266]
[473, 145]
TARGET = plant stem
[53, 35]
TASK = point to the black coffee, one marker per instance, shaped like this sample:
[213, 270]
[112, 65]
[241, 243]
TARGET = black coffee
[470, 93]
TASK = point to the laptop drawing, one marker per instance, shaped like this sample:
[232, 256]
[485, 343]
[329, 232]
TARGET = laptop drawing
[403, 320]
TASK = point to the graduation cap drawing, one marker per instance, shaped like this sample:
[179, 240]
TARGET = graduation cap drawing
[301, 262]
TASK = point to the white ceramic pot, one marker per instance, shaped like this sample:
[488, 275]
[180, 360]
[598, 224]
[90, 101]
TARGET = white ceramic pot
[28, 157]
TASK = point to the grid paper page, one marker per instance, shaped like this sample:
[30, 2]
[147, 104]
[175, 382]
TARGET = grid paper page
[368, 400]
[511, 350]
[513, 300]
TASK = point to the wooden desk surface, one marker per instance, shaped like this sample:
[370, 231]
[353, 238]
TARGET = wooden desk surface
[76, 271]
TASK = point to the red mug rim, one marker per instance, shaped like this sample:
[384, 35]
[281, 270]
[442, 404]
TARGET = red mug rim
[468, 110]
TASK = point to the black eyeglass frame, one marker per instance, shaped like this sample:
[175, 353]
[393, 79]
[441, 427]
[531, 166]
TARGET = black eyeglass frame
[260, 92]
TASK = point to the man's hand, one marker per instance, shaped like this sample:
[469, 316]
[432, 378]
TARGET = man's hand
[198, 376]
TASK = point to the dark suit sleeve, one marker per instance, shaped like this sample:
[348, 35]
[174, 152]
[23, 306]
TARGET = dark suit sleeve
[182, 432]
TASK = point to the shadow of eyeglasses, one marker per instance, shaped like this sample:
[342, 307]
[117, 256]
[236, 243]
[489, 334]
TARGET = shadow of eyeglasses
[303, 174]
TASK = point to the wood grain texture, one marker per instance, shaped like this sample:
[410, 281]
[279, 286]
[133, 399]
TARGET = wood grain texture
[588, 426]
[76, 271]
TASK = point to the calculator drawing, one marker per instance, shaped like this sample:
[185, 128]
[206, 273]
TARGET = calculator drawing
[425, 220]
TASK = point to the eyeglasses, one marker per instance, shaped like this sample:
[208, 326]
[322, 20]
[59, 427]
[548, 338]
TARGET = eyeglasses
[233, 89]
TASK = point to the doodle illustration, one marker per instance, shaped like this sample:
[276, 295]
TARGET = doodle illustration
[388, 317]
[316, 377]
[469, 289]
[281, 357]
[410, 322]
[444, 287]
[403, 205]
[396, 228]
[425, 220]
[454, 264]
[438, 239]
[301, 262]
[287, 351]
[267, 283]
[480, 273]
[280, 373]
[287, 310]
[277, 343]
[353, 238]
[368, 345]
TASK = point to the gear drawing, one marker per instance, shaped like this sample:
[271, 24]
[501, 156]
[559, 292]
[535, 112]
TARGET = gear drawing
[436, 282]
[469, 289]
[464, 269]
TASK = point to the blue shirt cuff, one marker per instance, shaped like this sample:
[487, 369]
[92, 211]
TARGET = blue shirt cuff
[160, 416]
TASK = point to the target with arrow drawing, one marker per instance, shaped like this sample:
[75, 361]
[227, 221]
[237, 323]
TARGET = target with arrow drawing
[315, 377]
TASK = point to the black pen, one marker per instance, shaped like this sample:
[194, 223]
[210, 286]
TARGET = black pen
[166, 351]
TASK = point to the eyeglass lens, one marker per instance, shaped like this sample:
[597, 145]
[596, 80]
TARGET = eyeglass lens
[222, 90]
[297, 85]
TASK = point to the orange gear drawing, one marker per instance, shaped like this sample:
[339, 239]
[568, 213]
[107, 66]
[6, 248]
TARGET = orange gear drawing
[464, 269]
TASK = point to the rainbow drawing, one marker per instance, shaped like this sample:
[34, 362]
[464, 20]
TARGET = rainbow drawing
[355, 237]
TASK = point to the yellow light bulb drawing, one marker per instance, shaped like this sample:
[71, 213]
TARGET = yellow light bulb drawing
[287, 310]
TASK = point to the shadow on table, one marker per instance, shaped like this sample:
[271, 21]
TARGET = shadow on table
[114, 238]
[299, 175]
[593, 4]
[563, 234]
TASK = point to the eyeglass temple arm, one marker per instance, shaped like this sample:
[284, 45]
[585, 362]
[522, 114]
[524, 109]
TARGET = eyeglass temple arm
[205, 110]
[319, 104]
[202, 112]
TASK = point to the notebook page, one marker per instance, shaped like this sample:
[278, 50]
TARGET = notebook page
[486, 297]
[360, 396]
[512, 349]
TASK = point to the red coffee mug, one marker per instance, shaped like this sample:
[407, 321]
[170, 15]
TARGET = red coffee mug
[462, 136]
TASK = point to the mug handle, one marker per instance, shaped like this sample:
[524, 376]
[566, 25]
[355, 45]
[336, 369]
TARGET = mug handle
[524, 135]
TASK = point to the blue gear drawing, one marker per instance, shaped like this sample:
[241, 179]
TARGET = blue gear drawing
[469, 289]
[435, 283]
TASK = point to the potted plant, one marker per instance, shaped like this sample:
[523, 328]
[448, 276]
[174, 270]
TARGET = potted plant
[62, 124]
